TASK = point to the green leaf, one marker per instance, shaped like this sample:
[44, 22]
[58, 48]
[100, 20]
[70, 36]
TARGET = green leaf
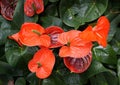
[53, 80]
[53, 0]
[95, 68]
[5, 68]
[2, 53]
[81, 11]
[19, 17]
[32, 79]
[113, 27]
[105, 55]
[118, 70]
[51, 10]
[72, 79]
[20, 81]
[111, 78]
[65, 75]
[4, 30]
[6, 80]
[14, 52]
[98, 79]
[50, 20]
[9, 71]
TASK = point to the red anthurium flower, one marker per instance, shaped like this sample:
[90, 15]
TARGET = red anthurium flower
[53, 32]
[32, 34]
[76, 52]
[16, 38]
[33, 6]
[74, 46]
[7, 8]
[78, 65]
[99, 33]
[42, 63]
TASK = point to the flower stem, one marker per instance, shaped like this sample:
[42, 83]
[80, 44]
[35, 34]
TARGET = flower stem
[40, 82]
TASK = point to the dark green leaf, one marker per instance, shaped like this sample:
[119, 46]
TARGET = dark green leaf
[53, 0]
[106, 55]
[14, 52]
[95, 68]
[20, 81]
[4, 30]
[53, 80]
[113, 27]
[118, 70]
[32, 79]
[19, 17]
[50, 20]
[51, 10]
[72, 79]
[82, 11]
[111, 78]
[98, 79]
[5, 68]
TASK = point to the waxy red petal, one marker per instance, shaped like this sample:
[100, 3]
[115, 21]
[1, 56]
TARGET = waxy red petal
[39, 6]
[33, 6]
[7, 8]
[53, 32]
[45, 40]
[28, 37]
[77, 49]
[99, 33]
[16, 38]
[66, 37]
[46, 58]
[78, 65]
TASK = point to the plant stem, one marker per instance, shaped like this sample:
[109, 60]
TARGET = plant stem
[40, 82]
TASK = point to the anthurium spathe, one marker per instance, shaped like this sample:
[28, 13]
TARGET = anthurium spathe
[98, 33]
[78, 65]
[73, 45]
[42, 63]
[16, 38]
[7, 8]
[53, 32]
[33, 6]
[32, 34]
[75, 52]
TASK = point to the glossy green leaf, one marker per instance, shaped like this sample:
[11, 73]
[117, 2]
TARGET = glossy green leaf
[118, 70]
[53, 0]
[19, 17]
[50, 20]
[20, 81]
[98, 79]
[94, 69]
[111, 78]
[19, 12]
[53, 80]
[32, 79]
[14, 52]
[51, 10]
[2, 52]
[45, 2]
[4, 30]
[105, 55]
[82, 11]
[73, 79]
[114, 26]
[6, 80]
[5, 68]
